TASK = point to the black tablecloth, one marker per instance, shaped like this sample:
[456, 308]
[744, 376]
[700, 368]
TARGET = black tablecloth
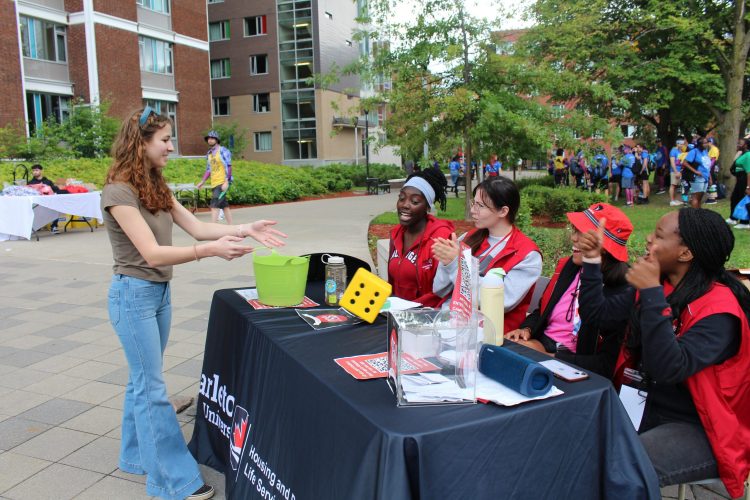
[314, 432]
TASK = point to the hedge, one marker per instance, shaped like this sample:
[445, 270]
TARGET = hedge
[254, 182]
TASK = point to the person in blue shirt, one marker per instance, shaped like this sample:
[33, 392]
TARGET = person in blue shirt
[698, 163]
[493, 167]
[600, 173]
[615, 176]
[675, 166]
[627, 163]
[455, 168]
[642, 174]
[660, 160]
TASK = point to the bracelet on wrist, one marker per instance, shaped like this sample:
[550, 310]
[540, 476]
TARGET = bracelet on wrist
[195, 251]
[592, 260]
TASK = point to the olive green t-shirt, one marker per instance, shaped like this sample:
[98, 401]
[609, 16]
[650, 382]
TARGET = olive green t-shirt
[128, 260]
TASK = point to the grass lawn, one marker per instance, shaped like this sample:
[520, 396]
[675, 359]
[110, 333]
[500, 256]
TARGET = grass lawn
[643, 217]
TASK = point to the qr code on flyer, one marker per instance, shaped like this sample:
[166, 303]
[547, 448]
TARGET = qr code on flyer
[381, 364]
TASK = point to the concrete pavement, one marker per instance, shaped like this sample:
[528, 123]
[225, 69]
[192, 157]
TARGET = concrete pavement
[62, 371]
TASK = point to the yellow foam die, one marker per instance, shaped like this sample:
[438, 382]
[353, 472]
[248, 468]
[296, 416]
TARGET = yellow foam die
[365, 295]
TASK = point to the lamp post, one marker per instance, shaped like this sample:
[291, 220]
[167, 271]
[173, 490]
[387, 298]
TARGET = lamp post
[367, 144]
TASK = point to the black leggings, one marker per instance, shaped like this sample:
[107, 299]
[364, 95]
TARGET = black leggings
[738, 193]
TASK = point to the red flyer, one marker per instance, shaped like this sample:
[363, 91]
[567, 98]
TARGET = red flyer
[367, 366]
[251, 296]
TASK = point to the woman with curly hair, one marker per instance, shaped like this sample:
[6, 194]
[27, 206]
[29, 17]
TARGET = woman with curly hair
[139, 212]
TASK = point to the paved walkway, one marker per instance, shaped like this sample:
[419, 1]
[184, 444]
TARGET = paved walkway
[62, 371]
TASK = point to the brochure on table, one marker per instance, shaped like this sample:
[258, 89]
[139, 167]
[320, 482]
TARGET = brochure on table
[251, 296]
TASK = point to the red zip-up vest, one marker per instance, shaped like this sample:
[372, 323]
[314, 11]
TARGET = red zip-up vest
[518, 247]
[721, 393]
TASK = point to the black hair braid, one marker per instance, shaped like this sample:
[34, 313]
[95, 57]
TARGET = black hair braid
[711, 242]
[437, 181]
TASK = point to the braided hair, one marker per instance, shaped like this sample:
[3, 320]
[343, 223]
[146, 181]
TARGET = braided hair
[711, 242]
[437, 182]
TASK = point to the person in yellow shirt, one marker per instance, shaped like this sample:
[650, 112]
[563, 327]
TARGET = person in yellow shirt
[219, 170]
[713, 154]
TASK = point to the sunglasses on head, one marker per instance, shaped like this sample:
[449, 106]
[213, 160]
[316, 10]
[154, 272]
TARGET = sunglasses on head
[147, 111]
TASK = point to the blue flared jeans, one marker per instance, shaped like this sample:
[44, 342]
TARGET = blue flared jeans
[140, 311]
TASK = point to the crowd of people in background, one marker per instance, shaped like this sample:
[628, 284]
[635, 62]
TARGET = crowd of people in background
[689, 169]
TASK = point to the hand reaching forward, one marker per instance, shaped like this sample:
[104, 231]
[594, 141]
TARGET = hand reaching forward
[228, 248]
[590, 242]
[518, 335]
[263, 232]
[644, 273]
[446, 251]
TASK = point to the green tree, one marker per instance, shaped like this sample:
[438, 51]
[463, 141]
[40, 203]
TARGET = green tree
[676, 65]
[88, 132]
[451, 88]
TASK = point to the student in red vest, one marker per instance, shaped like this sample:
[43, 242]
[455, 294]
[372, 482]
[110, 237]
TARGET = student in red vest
[411, 265]
[689, 340]
[496, 242]
[555, 327]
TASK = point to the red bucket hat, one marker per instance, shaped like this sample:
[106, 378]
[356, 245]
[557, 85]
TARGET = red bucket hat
[617, 228]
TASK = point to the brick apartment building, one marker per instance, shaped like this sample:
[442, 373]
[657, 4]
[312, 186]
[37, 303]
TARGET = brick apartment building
[263, 53]
[127, 52]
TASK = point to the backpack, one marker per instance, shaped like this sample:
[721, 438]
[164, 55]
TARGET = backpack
[575, 168]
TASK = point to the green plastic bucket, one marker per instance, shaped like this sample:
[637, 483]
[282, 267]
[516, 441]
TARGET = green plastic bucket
[280, 279]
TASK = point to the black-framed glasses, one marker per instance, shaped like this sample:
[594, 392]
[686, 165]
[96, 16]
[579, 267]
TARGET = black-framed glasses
[147, 111]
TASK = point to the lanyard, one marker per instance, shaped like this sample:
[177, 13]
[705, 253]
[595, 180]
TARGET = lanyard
[489, 252]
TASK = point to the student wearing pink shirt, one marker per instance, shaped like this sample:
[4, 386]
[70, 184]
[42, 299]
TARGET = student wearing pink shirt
[555, 327]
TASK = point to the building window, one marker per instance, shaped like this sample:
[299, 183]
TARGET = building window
[43, 39]
[255, 26]
[221, 106]
[156, 55]
[627, 130]
[165, 108]
[261, 103]
[43, 107]
[220, 69]
[262, 141]
[218, 31]
[155, 5]
[215, 1]
[259, 65]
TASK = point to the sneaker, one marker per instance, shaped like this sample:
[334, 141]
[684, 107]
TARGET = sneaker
[675, 203]
[55, 230]
[742, 226]
[710, 202]
[731, 221]
[661, 191]
[202, 493]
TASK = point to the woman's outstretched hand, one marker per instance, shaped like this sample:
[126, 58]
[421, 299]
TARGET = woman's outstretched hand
[263, 232]
[229, 247]
[444, 250]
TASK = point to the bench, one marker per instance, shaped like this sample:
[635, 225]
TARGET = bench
[375, 185]
[372, 184]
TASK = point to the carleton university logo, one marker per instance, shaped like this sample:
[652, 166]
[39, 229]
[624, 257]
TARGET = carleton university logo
[240, 428]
